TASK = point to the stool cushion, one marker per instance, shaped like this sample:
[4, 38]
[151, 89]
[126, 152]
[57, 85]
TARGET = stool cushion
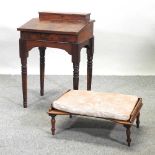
[97, 104]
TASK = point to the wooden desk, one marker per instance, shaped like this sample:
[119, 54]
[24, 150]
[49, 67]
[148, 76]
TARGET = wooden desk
[70, 32]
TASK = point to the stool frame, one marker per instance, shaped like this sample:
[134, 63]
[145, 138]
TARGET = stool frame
[135, 115]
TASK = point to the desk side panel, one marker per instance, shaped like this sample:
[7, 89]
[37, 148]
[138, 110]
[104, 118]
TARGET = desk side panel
[86, 33]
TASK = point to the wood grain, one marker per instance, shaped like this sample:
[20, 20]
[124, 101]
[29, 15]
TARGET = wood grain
[68, 31]
[64, 16]
[56, 27]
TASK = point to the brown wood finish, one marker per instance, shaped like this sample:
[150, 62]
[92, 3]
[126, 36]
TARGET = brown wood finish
[64, 16]
[128, 133]
[42, 69]
[137, 120]
[53, 124]
[127, 124]
[70, 32]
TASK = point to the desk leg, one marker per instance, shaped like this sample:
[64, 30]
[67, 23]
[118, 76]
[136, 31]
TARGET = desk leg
[76, 61]
[23, 56]
[75, 76]
[42, 69]
[90, 51]
[24, 81]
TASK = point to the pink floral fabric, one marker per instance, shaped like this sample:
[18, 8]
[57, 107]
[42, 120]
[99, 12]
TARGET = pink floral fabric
[97, 104]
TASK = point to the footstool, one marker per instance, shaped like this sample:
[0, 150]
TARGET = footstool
[119, 108]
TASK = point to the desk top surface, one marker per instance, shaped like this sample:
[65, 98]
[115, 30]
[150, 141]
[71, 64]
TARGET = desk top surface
[57, 23]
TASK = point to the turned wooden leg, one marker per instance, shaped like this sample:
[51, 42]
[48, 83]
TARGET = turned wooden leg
[53, 124]
[128, 133]
[75, 76]
[24, 80]
[76, 62]
[137, 120]
[23, 56]
[42, 69]
[90, 51]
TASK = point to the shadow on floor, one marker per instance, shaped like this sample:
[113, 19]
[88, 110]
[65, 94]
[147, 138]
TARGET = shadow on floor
[91, 130]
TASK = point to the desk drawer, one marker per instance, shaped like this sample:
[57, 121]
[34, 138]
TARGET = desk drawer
[48, 37]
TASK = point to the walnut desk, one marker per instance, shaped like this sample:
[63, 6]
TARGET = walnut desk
[70, 32]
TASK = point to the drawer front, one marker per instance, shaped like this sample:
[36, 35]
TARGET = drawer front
[48, 37]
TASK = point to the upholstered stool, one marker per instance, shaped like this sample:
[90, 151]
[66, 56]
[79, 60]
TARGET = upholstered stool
[119, 108]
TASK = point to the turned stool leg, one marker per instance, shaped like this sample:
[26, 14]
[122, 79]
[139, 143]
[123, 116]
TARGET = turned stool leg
[53, 124]
[137, 120]
[128, 134]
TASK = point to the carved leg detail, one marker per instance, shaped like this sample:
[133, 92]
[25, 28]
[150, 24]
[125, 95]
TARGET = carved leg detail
[137, 120]
[42, 69]
[128, 133]
[76, 61]
[75, 76]
[24, 80]
[90, 51]
[53, 124]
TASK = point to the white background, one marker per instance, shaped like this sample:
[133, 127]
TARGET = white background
[124, 36]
